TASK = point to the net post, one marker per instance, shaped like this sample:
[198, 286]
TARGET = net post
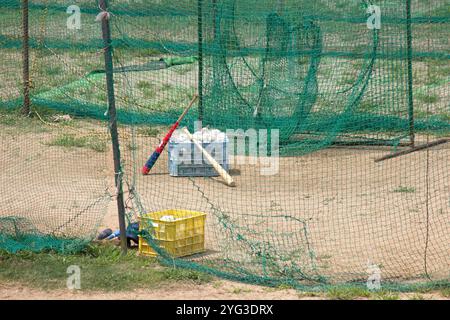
[200, 58]
[410, 74]
[106, 35]
[25, 58]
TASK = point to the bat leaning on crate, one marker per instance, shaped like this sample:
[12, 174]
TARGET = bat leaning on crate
[155, 155]
[221, 171]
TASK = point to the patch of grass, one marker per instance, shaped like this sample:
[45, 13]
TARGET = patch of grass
[53, 70]
[144, 85]
[102, 268]
[132, 147]
[403, 189]
[347, 293]
[384, 295]
[310, 295]
[176, 274]
[239, 290]
[16, 122]
[97, 145]
[284, 286]
[183, 69]
[71, 141]
[445, 292]
[68, 141]
[100, 96]
[166, 87]
[346, 81]
[428, 98]
[422, 114]
[417, 296]
[368, 106]
[352, 293]
[217, 284]
[148, 131]
[9, 119]
[147, 88]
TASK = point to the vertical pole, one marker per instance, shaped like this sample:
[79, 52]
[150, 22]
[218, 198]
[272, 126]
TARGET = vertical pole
[214, 14]
[25, 59]
[410, 74]
[280, 7]
[106, 33]
[200, 59]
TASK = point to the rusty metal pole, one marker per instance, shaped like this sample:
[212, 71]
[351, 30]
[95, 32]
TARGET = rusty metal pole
[410, 74]
[25, 59]
[106, 34]
[200, 57]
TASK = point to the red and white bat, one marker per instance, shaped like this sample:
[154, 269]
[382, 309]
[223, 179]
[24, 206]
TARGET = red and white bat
[154, 157]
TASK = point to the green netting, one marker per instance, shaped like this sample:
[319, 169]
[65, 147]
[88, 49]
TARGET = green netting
[338, 93]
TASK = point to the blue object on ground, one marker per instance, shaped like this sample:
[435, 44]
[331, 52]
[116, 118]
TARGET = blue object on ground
[113, 235]
[104, 234]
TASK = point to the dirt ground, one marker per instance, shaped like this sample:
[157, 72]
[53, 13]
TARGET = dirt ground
[219, 290]
[331, 213]
[336, 204]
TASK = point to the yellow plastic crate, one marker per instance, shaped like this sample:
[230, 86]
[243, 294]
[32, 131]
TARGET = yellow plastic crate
[182, 237]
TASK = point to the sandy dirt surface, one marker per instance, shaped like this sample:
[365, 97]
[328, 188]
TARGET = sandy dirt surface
[60, 190]
[331, 213]
[336, 204]
[218, 290]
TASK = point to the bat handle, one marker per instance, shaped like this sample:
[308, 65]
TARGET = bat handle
[150, 163]
[154, 157]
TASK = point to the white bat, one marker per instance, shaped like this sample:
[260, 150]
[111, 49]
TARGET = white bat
[221, 171]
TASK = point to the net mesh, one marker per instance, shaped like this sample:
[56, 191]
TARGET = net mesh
[332, 91]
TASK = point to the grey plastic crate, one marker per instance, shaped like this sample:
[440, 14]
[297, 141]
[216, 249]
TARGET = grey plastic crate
[185, 160]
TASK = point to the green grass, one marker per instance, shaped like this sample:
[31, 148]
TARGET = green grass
[148, 131]
[238, 290]
[14, 122]
[307, 294]
[167, 87]
[417, 296]
[53, 70]
[403, 189]
[368, 106]
[98, 145]
[183, 69]
[102, 268]
[427, 98]
[148, 89]
[71, 141]
[347, 293]
[131, 146]
[352, 293]
[384, 295]
[144, 85]
[9, 119]
[445, 292]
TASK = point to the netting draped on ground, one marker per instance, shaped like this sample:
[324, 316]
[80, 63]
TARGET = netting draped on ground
[333, 90]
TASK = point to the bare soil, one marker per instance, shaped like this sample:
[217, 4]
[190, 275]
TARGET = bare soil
[331, 213]
[336, 204]
[219, 290]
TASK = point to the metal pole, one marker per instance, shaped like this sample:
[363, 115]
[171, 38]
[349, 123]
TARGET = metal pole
[25, 59]
[106, 33]
[200, 59]
[410, 74]
[414, 149]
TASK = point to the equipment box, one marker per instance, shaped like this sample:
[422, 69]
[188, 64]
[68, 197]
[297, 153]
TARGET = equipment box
[186, 160]
[182, 235]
